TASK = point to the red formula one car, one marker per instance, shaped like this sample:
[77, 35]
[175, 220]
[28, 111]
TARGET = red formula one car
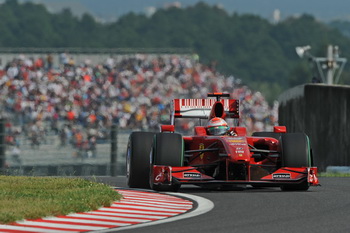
[218, 156]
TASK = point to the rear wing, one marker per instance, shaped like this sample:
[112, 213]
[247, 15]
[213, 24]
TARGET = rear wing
[201, 108]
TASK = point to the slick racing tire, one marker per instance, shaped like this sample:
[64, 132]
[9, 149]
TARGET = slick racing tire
[267, 134]
[138, 159]
[167, 150]
[295, 148]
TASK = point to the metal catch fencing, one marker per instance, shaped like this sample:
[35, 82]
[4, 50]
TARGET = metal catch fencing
[48, 156]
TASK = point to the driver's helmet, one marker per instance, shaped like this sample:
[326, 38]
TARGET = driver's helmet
[217, 126]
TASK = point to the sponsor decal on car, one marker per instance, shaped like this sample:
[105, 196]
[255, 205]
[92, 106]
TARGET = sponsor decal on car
[235, 140]
[201, 147]
[237, 144]
[192, 175]
[281, 176]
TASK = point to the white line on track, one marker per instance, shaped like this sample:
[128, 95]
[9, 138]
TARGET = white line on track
[57, 225]
[163, 209]
[174, 205]
[128, 215]
[139, 197]
[83, 221]
[135, 211]
[31, 229]
[108, 218]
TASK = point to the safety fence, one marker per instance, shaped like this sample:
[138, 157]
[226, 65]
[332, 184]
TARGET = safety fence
[52, 158]
[82, 55]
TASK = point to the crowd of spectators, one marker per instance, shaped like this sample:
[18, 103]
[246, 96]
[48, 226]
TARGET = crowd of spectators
[132, 91]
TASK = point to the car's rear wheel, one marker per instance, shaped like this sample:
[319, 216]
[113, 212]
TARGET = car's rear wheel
[168, 149]
[138, 159]
[295, 148]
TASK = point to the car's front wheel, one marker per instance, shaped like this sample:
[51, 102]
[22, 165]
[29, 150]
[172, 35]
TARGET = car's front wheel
[295, 148]
[138, 159]
[168, 149]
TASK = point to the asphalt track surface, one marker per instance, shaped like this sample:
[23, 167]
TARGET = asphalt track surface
[321, 209]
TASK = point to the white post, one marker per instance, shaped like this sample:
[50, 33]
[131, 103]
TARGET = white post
[330, 65]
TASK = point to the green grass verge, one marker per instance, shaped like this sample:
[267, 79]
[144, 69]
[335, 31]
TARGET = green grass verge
[35, 197]
[324, 174]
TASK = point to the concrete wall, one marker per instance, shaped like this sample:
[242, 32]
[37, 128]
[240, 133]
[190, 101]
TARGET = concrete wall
[323, 113]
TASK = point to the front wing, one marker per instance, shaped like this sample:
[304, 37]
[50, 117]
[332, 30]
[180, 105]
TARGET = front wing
[167, 175]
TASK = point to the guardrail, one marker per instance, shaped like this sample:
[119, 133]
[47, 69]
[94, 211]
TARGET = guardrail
[64, 170]
[50, 158]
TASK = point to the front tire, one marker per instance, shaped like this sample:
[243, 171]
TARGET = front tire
[138, 159]
[167, 150]
[295, 148]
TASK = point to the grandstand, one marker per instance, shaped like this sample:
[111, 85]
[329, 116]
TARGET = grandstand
[59, 107]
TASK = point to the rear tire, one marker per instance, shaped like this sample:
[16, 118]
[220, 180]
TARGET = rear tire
[167, 150]
[295, 148]
[138, 159]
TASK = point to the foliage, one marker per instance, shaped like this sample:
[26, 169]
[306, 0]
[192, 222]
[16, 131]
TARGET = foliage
[325, 174]
[343, 26]
[249, 47]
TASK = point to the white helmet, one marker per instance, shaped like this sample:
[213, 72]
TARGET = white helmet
[217, 126]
